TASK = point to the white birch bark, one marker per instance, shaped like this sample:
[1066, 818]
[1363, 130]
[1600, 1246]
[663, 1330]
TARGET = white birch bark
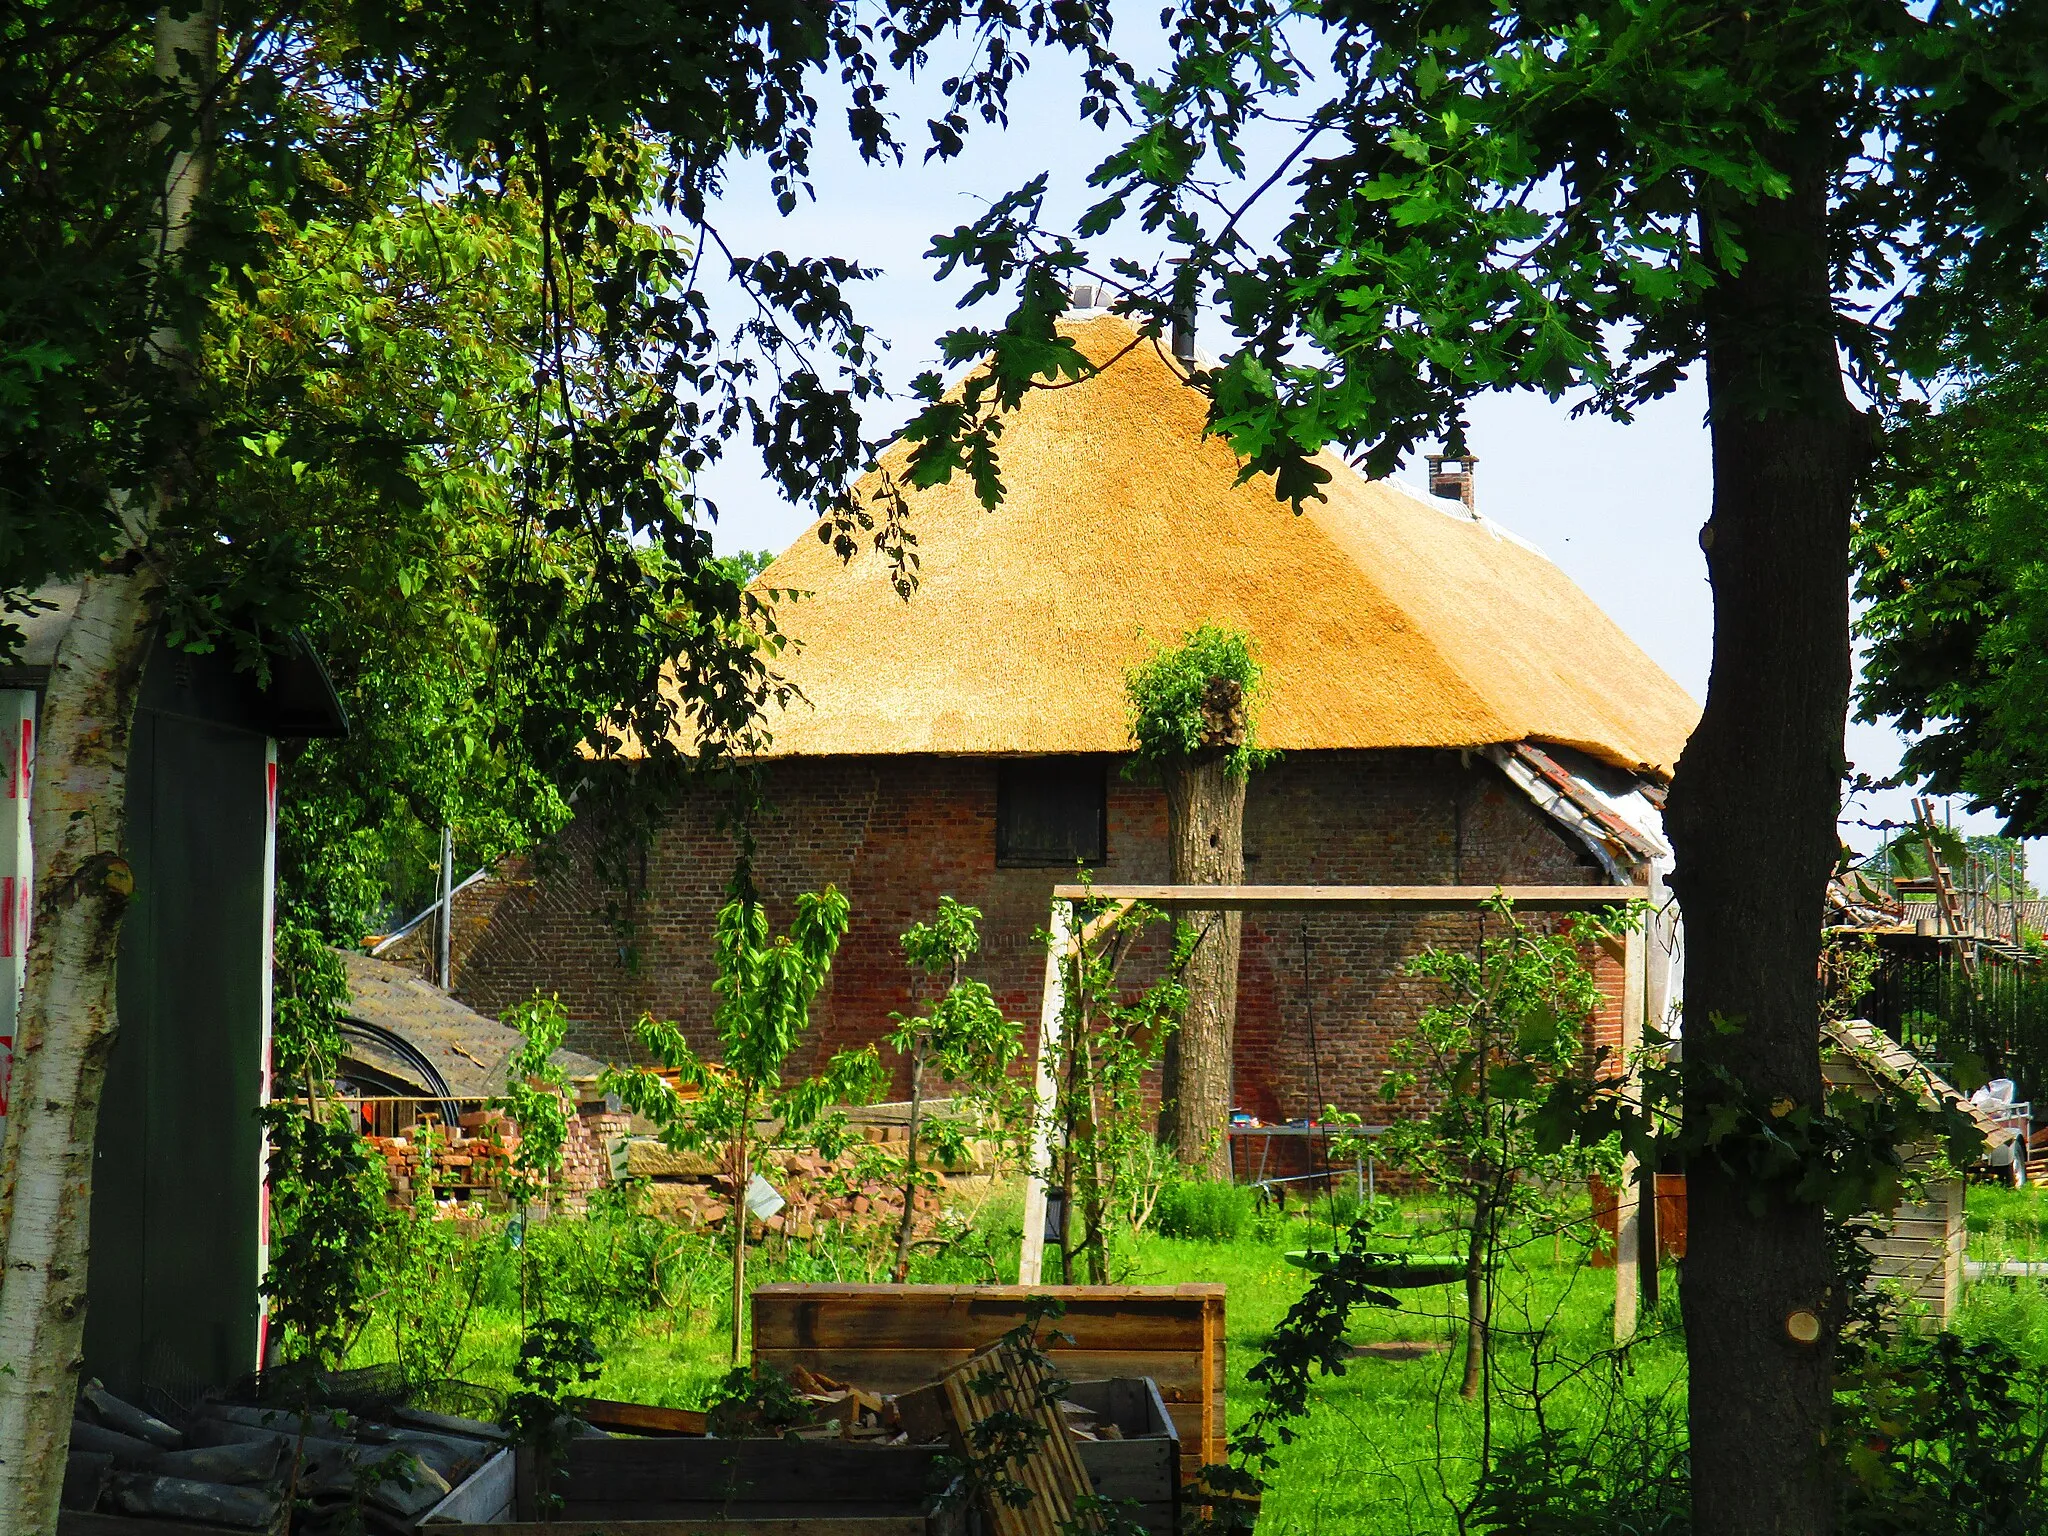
[67, 1031]
[83, 882]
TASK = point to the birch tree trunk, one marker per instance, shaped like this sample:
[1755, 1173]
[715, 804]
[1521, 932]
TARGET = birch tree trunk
[1205, 836]
[78, 816]
[66, 1032]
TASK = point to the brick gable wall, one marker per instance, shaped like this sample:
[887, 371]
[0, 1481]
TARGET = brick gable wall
[897, 833]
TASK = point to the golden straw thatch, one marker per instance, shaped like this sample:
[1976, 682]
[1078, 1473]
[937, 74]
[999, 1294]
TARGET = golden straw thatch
[1383, 618]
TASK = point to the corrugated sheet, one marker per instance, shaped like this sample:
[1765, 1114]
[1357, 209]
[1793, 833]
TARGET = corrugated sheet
[469, 1050]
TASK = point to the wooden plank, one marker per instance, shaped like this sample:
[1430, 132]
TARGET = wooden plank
[78, 1522]
[1407, 898]
[1070, 1294]
[713, 1510]
[625, 1471]
[1179, 1373]
[846, 1525]
[971, 1322]
[1145, 1470]
[486, 1494]
[637, 1418]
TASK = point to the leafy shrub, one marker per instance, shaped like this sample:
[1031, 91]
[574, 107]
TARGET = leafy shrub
[606, 1267]
[1630, 1479]
[1206, 1210]
[1173, 708]
[1941, 1436]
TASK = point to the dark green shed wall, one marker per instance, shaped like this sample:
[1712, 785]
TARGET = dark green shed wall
[172, 1297]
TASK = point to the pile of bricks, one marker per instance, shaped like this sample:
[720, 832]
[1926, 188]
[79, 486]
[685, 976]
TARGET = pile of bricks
[465, 1167]
[471, 1161]
[693, 1189]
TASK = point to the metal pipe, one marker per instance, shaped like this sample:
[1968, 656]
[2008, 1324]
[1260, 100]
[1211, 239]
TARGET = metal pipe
[447, 907]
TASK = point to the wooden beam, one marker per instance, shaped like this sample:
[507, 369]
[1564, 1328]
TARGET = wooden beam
[1407, 898]
[1628, 1224]
[1045, 1092]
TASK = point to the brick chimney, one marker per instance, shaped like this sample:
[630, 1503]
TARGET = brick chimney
[1453, 482]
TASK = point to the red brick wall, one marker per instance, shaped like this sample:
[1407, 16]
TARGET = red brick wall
[897, 833]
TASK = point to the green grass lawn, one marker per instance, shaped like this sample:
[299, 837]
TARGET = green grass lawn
[1388, 1445]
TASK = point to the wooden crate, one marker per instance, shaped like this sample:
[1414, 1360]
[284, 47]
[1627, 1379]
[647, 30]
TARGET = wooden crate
[1143, 1468]
[1920, 1252]
[639, 1480]
[891, 1338]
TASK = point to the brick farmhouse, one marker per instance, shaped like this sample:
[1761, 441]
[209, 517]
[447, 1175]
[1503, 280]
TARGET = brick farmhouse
[1449, 708]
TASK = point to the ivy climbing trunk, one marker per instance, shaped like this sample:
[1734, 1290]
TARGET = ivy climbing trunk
[1752, 820]
[1205, 830]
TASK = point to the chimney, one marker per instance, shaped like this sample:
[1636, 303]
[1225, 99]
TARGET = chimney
[1453, 482]
[1183, 322]
[1084, 296]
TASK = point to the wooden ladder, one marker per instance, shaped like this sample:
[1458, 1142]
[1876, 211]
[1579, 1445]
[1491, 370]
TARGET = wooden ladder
[1945, 892]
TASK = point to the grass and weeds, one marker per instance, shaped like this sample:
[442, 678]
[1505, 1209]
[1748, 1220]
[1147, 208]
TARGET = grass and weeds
[1389, 1446]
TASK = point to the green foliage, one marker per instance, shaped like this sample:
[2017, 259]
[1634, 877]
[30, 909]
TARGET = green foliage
[327, 1210]
[432, 1274]
[556, 1356]
[1103, 1152]
[615, 1265]
[1949, 569]
[1511, 1023]
[765, 986]
[1941, 1436]
[1207, 1210]
[743, 1104]
[1312, 1341]
[1177, 711]
[965, 1038]
[1629, 1479]
[756, 1400]
[1422, 259]
[536, 1096]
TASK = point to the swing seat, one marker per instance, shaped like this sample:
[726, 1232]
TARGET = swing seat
[1395, 1272]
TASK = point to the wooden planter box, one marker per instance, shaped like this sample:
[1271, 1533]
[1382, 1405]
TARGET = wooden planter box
[893, 1338]
[673, 1485]
[1143, 1468]
[676, 1486]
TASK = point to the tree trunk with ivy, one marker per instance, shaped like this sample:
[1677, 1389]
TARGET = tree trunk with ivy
[1752, 820]
[1205, 835]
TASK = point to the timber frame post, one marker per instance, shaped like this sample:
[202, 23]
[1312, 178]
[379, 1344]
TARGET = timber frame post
[1283, 898]
[1631, 1257]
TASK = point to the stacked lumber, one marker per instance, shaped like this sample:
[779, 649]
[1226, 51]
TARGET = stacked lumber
[895, 1338]
[242, 1467]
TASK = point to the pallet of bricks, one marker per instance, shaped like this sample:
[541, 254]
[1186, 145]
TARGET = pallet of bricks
[467, 1163]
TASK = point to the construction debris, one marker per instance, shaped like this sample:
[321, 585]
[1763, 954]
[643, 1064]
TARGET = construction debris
[251, 1467]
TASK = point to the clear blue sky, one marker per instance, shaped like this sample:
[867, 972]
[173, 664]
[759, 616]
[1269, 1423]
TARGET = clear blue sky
[1617, 507]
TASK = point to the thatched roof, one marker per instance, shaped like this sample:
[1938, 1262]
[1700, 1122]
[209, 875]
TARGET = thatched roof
[1384, 618]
